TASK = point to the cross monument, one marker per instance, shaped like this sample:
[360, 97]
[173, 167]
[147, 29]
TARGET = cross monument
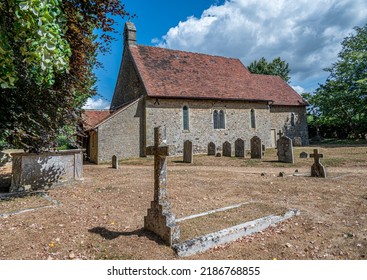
[317, 169]
[160, 219]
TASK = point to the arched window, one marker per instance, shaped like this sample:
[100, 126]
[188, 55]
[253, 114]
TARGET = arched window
[252, 119]
[221, 120]
[185, 114]
[215, 119]
[292, 119]
[218, 119]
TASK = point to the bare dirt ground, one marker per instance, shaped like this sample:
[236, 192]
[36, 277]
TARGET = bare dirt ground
[102, 217]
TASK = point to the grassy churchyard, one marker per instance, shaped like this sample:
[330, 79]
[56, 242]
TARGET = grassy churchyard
[103, 217]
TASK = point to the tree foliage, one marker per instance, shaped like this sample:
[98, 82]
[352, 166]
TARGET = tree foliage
[277, 67]
[47, 55]
[342, 100]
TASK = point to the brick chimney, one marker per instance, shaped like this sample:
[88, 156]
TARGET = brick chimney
[129, 34]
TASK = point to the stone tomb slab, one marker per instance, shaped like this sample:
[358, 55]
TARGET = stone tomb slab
[239, 148]
[227, 149]
[188, 152]
[236, 229]
[285, 150]
[256, 147]
[211, 149]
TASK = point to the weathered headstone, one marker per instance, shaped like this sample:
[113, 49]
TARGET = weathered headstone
[256, 147]
[239, 148]
[160, 219]
[263, 149]
[297, 142]
[285, 149]
[227, 149]
[317, 169]
[211, 149]
[115, 162]
[303, 155]
[187, 152]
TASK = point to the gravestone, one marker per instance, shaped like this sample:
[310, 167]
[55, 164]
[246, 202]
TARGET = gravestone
[280, 133]
[264, 148]
[256, 147]
[303, 155]
[285, 150]
[317, 169]
[239, 148]
[211, 149]
[227, 149]
[160, 219]
[187, 152]
[115, 162]
[297, 142]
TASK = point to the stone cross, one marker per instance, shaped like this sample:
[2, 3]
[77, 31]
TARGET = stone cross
[317, 169]
[160, 219]
[280, 133]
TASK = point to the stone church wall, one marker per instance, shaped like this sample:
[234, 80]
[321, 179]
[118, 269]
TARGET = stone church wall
[281, 120]
[128, 86]
[169, 113]
[123, 134]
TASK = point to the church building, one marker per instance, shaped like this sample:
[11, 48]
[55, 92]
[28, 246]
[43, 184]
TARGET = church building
[197, 97]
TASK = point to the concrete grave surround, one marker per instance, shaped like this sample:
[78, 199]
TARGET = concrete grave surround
[115, 162]
[43, 171]
[256, 147]
[317, 169]
[227, 149]
[285, 150]
[188, 152]
[160, 219]
[225, 236]
[211, 149]
[239, 148]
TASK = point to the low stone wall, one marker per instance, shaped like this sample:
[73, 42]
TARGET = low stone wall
[43, 171]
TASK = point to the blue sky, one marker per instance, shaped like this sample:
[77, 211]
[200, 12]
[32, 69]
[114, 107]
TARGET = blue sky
[307, 34]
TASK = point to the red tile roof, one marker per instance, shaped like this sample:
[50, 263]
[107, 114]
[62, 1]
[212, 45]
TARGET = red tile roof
[93, 117]
[177, 74]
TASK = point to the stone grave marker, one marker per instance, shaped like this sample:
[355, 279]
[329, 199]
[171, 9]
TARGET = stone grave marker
[303, 155]
[239, 148]
[256, 147]
[211, 149]
[187, 152]
[115, 162]
[227, 149]
[285, 150]
[264, 148]
[160, 219]
[317, 169]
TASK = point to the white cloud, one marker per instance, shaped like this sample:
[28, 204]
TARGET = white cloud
[96, 104]
[307, 34]
[299, 89]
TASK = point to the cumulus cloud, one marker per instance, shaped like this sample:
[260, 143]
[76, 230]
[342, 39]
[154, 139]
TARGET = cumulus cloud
[96, 104]
[307, 34]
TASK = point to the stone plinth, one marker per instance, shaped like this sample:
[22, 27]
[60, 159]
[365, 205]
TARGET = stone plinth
[43, 171]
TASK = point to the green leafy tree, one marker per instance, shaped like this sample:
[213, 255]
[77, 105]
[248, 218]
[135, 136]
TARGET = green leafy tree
[342, 100]
[277, 67]
[47, 54]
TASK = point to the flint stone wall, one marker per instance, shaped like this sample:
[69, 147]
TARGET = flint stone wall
[42, 171]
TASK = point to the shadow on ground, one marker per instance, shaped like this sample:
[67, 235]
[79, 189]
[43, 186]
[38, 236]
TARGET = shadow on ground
[110, 235]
